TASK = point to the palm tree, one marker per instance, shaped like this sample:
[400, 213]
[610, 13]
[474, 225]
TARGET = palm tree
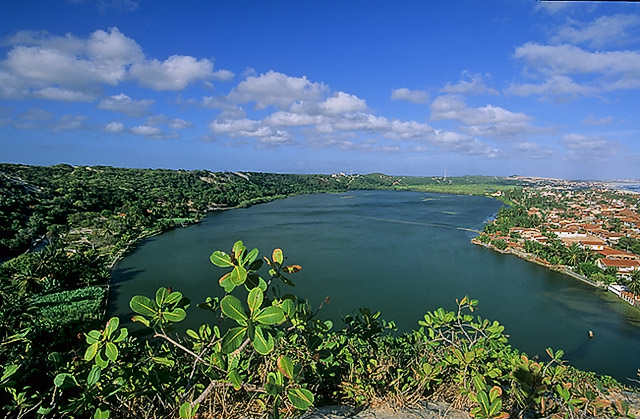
[634, 283]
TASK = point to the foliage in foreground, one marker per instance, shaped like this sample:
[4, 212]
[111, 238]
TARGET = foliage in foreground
[266, 354]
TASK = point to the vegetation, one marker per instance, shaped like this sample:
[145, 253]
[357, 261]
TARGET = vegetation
[266, 353]
[63, 227]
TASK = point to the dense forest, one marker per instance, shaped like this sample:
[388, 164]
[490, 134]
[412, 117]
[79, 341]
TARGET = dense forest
[63, 227]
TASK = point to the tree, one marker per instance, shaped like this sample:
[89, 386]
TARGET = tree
[634, 283]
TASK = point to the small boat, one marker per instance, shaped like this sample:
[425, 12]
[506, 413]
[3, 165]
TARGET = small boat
[590, 334]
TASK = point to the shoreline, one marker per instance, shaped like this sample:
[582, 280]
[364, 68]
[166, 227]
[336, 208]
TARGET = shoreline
[557, 268]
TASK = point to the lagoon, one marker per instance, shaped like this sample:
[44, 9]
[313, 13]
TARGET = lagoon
[402, 253]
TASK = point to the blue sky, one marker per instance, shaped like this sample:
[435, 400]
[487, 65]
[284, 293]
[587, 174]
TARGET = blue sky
[408, 88]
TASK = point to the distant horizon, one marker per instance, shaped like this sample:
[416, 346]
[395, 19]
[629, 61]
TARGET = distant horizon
[541, 88]
[627, 180]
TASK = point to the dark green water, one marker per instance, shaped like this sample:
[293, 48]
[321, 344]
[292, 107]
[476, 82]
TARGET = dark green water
[402, 253]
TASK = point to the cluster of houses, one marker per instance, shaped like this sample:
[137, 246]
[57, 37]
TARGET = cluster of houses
[591, 219]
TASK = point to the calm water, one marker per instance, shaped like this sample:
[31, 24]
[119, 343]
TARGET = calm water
[402, 253]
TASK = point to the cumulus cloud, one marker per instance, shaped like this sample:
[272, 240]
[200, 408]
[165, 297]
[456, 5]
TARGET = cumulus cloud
[555, 85]
[69, 68]
[124, 104]
[413, 96]
[599, 71]
[114, 127]
[63, 95]
[174, 73]
[471, 83]
[599, 33]
[487, 120]
[72, 63]
[222, 75]
[570, 59]
[247, 128]
[276, 89]
[177, 123]
[147, 130]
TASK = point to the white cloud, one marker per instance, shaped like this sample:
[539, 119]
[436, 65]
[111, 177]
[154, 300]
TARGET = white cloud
[276, 89]
[413, 96]
[471, 83]
[555, 86]
[114, 127]
[605, 30]
[174, 73]
[69, 68]
[342, 102]
[63, 95]
[592, 120]
[177, 123]
[290, 119]
[223, 75]
[247, 128]
[570, 59]
[487, 120]
[146, 130]
[124, 104]
[72, 63]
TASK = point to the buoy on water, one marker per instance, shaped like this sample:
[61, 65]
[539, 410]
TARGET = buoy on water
[590, 334]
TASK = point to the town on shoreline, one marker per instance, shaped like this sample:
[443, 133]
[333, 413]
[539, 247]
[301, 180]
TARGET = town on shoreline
[586, 230]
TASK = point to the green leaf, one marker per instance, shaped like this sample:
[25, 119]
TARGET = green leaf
[220, 259]
[91, 352]
[495, 408]
[100, 361]
[93, 337]
[255, 298]
[122, 335]
[483, 400]
[140, 319]
[186, 411]
[175, 316]
[161, 295]
[288, 306]
[163, 361]
[8, 371]
[262, 344]
[172, 298]
[225, 282]
[285, 365]
[143, 305]
[232, 308]
[111, 351]
[193, 334]
[65, 380]
[251, 257]
[270, 315]
[94, 375]
[235, 380]
[301, 398]
[277, 256]
[238, 275]
[112, 326]
[102, 412]
[238, 249]
[233, 339]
